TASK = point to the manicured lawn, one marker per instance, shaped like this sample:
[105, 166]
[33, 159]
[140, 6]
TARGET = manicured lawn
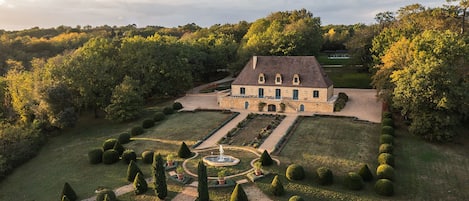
[349, 77]
[64, 158]
[323, 60]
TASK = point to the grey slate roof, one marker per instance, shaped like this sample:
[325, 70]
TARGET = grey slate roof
[307, 67]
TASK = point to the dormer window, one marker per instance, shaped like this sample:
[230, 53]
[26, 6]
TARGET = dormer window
[296, 79]
[261, 79]
[278, 79]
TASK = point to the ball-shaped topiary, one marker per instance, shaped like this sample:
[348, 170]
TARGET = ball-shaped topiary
[147, 157]
[296, 198]
[384, 187]
[109, 144]
[119, 148]
[386, 158]
[386, 148]
[353, 181]
[168, 110]
[110, 156]
[387, 130]
[106, 195]
[387, 122]
[159, 116]
[265, 159]
[129, 155]
[177, 106]
[387, 115]
[95, 156]
[386, 139]
[385, 171]
[148, 123]
[295, 172]
[124, 138]
[325, 176]
[365, 173]
[137, 130]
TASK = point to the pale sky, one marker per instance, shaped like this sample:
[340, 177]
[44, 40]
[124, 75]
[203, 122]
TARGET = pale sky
[23, 14]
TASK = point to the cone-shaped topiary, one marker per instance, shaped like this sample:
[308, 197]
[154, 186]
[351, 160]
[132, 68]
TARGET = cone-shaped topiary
[110, 156]
[266, 160]
[365, 173]
[147, 157]
[295, 172]
[158, 116]
[387, 130]
[296, 198]
[202, 187]
[129, 155]
[109, 144]
[386, 158]
[140, 185]
[177, 106]
[384, 187]
[64, 198]
[106, 195]
[276, 187]
[132, 171]
[95, 156]
[68, 193]
[119, 148]
[386, 148]
[325, 176]
[385, 171]
[238, 194]
[184, 151]
[124, 138]
[386, 139]
[148, 123]
[137, 130]
[353, 181]
[159, 177]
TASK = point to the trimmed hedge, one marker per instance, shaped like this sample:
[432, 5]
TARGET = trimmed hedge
[384, 187]
[119, 148]
[147, 157]
[68, 193]
[238, 194]
[159, 116]
[124, 138]
[137, 130]
[353, 181]
[95, 156]
[387, 122]
[184, 151]
[296, 198]
[387, 130]
[386, 148]
[110, 156]
[325, 176]
[386, 158]
[132, 171]
[387, 115]
[265, 159]
[295, 172]
[276, 187]
[386, 139]
[148, 123]
[106, 193]
[385, 171]
[129, 155]
[168, 110]
[177, 106]
[365, 173]
[140, 185]
[109, 144]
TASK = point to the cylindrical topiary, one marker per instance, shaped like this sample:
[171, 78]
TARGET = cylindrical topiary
[384, 187]
[147, 157]
[184, 151]
[296, 198]
[119, 148]
[365, 173]
[95, 156]
[265, 159]
[106, 195]
[168, 110]
[110, 156]
[202, 187]
[325, 176]
[386, 148]
[386, 158]
[386, 139]
[387, 130]
[177, 106]
[109, 144]
[276, 187]
[385, 171]
[159, 116]
[129, 155]
[124, 138]
[137, 130]
[387, 122]
[148, 123]
[353, 181]
[238, 194]
[140, 185]
[295, 172]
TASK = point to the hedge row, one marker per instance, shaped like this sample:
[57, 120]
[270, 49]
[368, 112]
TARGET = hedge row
[385, 171]
[340, 102]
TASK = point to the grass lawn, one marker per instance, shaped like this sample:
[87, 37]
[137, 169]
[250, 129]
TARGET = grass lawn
[324, 60]
[64, 158]
[349, 77]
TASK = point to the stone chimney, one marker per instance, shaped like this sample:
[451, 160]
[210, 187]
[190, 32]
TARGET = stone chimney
[254, 62]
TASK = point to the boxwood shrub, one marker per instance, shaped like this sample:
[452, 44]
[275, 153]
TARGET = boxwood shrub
[110, 156]
[158, 116]
[365, 173]
[387, 130]
[295, 172]
[325, 176]
[119, 148]
[386, 139]
[177, 106]
[386, 158]
[109, 144]
[384, 187]
[102, 194]
[296, 198]
[124, 138]
[387, 115]
[385, 171]
[353, 181]
[168, 110]
[147, 157]
[137, 130]
[95, 156]
[386, 148]
[387, 122]
[148, 123]
[129, 155]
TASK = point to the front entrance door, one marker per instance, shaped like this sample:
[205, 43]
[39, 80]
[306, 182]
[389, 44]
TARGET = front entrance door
[302, 108]
[271, 108]
[246, 105]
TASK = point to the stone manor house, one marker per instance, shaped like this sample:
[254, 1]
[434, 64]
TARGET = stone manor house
[280, 84]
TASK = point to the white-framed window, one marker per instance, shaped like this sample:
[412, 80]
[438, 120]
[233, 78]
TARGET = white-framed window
[296, 79]
[261, 79]
[278, 78]
[242, 91]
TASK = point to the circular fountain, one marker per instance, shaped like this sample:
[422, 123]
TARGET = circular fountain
[221, 159]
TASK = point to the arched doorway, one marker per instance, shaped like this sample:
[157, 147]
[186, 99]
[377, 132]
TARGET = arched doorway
[246, 105]
[271, 108]
[302, 108]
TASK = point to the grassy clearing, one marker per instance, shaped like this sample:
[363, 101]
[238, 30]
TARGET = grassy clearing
[324, 60]
[64, 158]
[349, 77]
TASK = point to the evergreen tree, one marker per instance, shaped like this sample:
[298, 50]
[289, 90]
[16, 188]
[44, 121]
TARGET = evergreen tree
[68, 193]
[184, 151]
[276, 187]
[132, 171]
[202, 187]
[238, 194]
[140, 185]
[159, 177]
[266, 160]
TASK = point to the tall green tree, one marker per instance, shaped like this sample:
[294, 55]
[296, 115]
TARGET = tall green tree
[159, 177]
[126, 101]
[202, 187]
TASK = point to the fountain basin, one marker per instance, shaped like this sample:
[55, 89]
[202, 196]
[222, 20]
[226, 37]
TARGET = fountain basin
[220, 161]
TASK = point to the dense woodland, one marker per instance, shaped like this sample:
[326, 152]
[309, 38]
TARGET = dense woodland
[49, 77]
